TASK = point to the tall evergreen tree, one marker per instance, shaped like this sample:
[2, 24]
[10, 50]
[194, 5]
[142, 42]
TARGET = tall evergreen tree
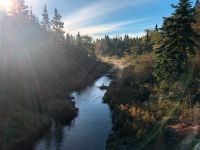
[156, 28]
[23, 8]
[58, 25]
[37, 21]
[45, 19]
[78, 39]
[127, 43]
[196, 25]
[72, 39]
[148, 44]
[178, 42]
[197, 4]
[68, 39]
[32, 17]
[19, 8]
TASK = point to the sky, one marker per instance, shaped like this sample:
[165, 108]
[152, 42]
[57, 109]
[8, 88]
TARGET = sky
[97, 18]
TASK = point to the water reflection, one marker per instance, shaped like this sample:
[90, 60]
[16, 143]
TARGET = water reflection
[89, 130]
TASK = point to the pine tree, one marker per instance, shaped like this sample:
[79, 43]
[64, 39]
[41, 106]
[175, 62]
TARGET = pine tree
[23, 8]
[58, 25]
[107, 45]
[196, 25]
[72, 39]
[126, 44]
[45, 19]
[79, 40]
[19, 8]
[197, 4]
[148, 43]
[68, 39]
[178, 42]
[32, 17]
[37, 22]
[156, 28]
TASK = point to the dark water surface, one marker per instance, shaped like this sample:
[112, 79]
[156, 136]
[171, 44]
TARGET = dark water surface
[89, 130]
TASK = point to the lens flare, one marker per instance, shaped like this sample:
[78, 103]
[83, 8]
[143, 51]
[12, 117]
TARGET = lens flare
[5, 4]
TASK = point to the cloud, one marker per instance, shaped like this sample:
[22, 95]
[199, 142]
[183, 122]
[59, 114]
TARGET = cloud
[98, 31]
[97, 9]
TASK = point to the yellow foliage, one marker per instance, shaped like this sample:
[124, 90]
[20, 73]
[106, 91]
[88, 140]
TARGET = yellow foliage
[141, 120]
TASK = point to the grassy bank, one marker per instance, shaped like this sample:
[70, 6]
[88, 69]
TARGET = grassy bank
[146, 117]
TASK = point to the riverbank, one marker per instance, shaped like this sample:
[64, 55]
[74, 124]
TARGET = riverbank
[144, 116]
[129, 89]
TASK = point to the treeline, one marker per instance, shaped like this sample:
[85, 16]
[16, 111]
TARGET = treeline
[155, 102]
[120, 46]
[54, 26]
[38, 70]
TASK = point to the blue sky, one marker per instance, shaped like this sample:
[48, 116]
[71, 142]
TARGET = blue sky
[113, 17]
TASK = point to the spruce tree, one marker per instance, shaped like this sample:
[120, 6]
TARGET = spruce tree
[107, 45]
[32, 17]
[156, 28]
[148, 44]
[196, 25]
[45, 19]
[23, 8]
[72, 40]
[68, 39]
[178, 42]
[126, 43]
[58, 25]
[197, 4]
[37, 22]
[79, 40]
[19, 8]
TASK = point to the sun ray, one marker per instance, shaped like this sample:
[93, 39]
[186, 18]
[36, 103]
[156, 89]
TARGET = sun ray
[5, 4]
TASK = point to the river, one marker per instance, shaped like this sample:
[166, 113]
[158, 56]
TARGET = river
[89, 130]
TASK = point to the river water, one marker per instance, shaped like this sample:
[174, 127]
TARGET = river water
[89, 130]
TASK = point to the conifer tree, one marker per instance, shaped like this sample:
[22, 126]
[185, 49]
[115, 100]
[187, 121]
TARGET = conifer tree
[37, 21]
[196, 25]
[126, 43]
[148, 43]
[19, 8]
[72, 39]
[23, 8]
[32, 17]
[45, 19]
[107, 45]
[58, 25]
[197, 4]
[156, 28]
[178, 42]
[78, 39]
[68, 39]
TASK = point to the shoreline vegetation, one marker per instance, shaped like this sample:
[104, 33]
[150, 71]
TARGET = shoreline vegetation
[154, 96]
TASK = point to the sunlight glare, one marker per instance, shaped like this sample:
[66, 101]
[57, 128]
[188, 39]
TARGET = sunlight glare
[5, 4]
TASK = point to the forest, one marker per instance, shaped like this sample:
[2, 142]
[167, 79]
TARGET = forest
[154, 100]
[36, 64]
